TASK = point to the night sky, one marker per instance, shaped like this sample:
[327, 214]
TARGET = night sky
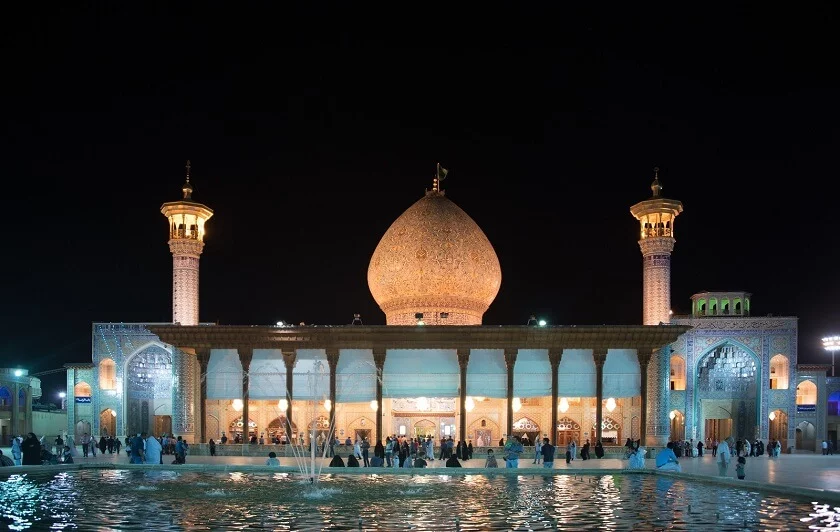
[308, 144]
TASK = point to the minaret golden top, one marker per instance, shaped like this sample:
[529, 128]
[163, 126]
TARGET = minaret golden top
[187, 188]
[656, 215]
[655, 186]
[186, 217]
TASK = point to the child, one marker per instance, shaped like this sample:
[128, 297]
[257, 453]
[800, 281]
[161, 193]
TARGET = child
[491, 459]
[67, 457]
[739, 468]
[272, 459]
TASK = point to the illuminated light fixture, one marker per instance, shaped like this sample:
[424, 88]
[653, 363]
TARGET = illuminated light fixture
[672, 414]
[62, 395]
[772, 416]
[374, 405]
[564, 405]
[419, 317]
[469, 404]
[422, 403]
[327, 405]
[542, 323]
[281, 323]
[830, 343]
[611, 404]
[479, 398]
[517, 404]
[113, 413]
[18, 372]
[283, 405]
[237, 405]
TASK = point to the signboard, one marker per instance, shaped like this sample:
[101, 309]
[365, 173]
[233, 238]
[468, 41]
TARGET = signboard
[806, 408]
[83, 400]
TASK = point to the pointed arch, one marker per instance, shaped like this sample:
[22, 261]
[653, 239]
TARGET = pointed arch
[484, 432]
[107, 374]
[5, 396]
[677, 372]
[806, 393]
[779, 372]
[82, 389]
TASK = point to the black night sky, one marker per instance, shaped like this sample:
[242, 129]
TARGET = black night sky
[307, 144]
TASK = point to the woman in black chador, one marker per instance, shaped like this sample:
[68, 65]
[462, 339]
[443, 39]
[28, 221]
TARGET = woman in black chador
[599, 449]
[338, 462]
[352, 462]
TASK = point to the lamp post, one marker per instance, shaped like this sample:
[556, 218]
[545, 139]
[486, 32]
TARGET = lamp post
[63, 396]
[831, 344]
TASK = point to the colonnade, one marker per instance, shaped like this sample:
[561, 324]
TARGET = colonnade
[654, 388]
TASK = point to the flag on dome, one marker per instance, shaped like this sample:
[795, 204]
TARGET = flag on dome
[441, 172]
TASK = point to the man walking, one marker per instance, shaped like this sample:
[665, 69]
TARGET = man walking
[547, 452]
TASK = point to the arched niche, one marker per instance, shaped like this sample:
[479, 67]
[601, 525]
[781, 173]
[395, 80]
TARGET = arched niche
[806, 393]
[5, 396]
[677, 373]
[107, 374]
[779, 373]
[81, 389]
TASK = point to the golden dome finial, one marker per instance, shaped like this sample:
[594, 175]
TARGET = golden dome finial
[440, 175]
[655, 186]
[187, 188]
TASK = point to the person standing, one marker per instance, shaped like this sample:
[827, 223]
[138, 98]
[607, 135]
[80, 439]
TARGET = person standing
[547, 453]
[513, 449]
[723, 457]
[31, 450]
[154, 451]
[212, 445]
[365, 449]
[700, 448]
[537, 454]
[85, 444]
[16, 452]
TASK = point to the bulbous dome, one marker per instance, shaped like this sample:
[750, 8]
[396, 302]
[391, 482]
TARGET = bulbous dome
[434, 259]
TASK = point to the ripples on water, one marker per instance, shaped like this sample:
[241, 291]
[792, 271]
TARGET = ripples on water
[172, 500]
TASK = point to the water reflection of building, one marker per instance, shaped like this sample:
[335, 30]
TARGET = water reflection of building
[434, 370]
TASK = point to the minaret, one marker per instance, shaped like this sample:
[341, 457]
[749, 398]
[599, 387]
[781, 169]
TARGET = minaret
[186, 241]
[656, 216]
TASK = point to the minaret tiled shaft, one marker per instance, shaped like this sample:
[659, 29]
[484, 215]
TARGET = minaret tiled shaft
[186, 242]
[656, 241]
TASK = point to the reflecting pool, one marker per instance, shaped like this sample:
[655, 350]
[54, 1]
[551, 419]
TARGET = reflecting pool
[114, 499]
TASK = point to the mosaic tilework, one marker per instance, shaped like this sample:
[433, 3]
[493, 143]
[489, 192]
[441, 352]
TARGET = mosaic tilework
[658, 391]
[656, 279]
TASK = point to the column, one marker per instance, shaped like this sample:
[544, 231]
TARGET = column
[463, 361]
[644, 359]
[554, 357]
[379, 360]
[16, 410]
[246, 354]
[332, 360]
[71, 404]
[27, 410]
[510, 362]
[658, 392]
[203, 355]
[289, 358]
[600, 356]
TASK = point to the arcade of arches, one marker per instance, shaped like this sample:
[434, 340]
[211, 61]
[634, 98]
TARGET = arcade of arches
[436, 417]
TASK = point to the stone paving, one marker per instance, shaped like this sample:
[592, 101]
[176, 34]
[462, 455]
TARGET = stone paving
[796, 474]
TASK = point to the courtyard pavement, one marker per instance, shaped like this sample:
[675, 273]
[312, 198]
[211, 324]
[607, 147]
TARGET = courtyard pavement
[794, 474]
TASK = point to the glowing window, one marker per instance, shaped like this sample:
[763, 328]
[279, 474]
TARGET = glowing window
[107, 375]
[806, 393]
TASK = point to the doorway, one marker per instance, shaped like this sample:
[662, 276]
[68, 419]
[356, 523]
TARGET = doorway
[363, 434]
[718, 429]
[163, 424]
[806, 437]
